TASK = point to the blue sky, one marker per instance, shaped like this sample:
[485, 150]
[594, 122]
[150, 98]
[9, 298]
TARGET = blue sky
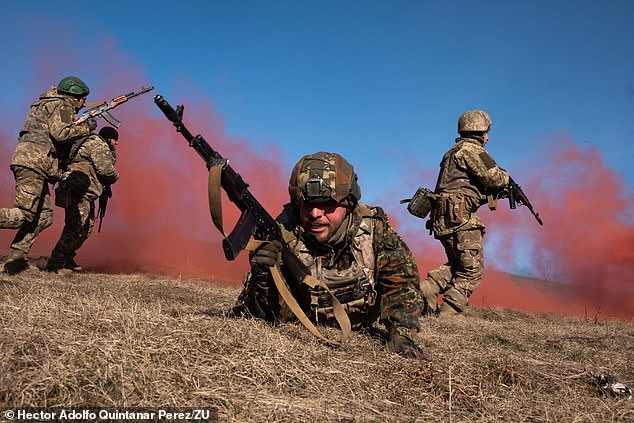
[370, 79]
[381, 82]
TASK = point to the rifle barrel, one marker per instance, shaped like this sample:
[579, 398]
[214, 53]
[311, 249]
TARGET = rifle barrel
[167, 110]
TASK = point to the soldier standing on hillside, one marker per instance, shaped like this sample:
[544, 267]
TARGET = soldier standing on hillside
[469, 178]
[348, 246]
[89, 171]
[49, 125]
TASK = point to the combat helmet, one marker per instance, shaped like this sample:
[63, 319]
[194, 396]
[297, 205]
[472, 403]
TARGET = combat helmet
[322, 177]
[73, 86]
[474, 121]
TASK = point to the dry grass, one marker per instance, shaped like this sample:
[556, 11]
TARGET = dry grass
[98, 340]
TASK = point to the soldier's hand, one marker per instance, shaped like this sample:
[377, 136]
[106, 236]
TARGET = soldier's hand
[404, 345]
[91, 122]
[265, 256]
[503, 193]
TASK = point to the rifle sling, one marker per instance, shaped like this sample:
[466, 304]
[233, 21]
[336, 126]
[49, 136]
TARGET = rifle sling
[340, 314]
[492, 202]
[215, 201]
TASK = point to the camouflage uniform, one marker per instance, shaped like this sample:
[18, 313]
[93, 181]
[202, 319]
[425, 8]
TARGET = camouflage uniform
[363, 262]
[390, 294]
[48, 126]
[467, 175]
[81, 184]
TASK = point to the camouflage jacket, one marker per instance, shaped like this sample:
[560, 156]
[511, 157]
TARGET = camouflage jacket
[48, 125]
[467, 175]
[90, 169]
[394, 274]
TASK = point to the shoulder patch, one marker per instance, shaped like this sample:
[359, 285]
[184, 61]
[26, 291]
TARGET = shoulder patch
[66, 114]
[488, 161]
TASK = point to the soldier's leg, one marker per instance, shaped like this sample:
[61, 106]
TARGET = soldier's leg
[31, 213]
[11, 218]
[68, 238]
[24, 206]
[34, 199]
[436, 282]
[440, 279]
[86, 224]
[468, 271]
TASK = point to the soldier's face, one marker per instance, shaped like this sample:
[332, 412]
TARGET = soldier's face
[112, 143]
[322, 220]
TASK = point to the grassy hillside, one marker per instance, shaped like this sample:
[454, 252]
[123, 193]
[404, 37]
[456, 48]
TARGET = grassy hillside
[151, 341]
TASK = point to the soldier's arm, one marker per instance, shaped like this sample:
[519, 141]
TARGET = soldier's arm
[398, 277]
[61, 126]
[479, 163]
[103, 163]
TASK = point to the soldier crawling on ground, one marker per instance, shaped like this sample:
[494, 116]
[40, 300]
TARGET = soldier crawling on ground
[349, 247]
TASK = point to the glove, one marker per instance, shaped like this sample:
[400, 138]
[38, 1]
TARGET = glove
[92, 123]
[265, 256]
[403, 345]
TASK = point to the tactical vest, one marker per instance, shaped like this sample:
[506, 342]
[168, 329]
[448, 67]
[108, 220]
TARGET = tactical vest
[451, 178]
[459, 195]
[354, 287]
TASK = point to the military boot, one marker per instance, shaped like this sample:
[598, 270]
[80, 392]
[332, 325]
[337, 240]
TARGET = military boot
[70, 264]
[54, 265]
[447, 311]
[16, 262]
[430, 291]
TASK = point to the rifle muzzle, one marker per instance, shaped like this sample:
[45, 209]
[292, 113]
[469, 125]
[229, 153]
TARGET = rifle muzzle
[167, 110]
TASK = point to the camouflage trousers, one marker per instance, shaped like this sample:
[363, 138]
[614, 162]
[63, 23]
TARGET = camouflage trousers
[461, 275]
[32, 211]
[79, 221]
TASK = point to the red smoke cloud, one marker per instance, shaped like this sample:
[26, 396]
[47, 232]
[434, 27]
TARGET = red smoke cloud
[158, 219]
[588, 235]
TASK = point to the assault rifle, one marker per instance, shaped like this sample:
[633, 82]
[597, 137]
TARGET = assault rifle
[516, 195]
[101, 109]
[254, 219]
[103, 203]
